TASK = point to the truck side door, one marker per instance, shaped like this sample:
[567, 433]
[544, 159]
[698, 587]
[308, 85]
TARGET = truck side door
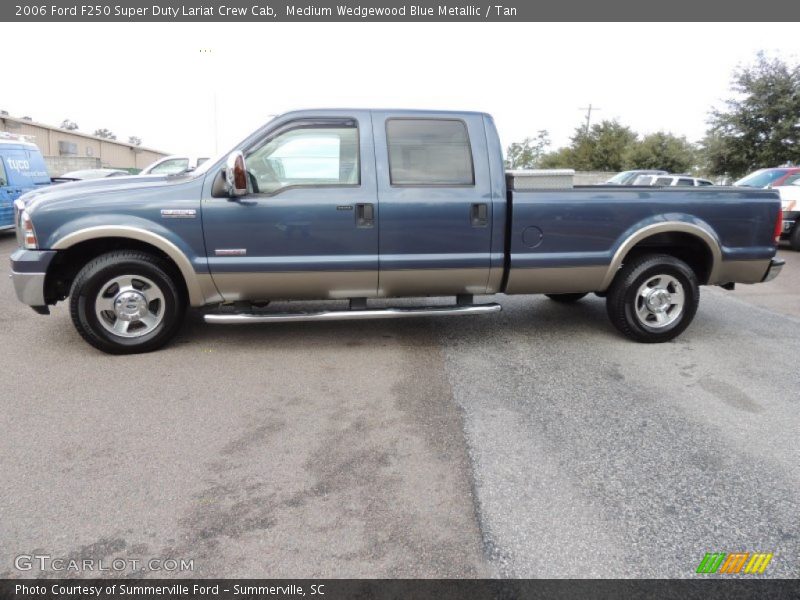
[307, 227]
[6, 202]
[435, 199]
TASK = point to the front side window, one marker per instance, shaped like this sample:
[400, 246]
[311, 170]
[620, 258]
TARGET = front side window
[3, 178]
[429, 152]
[171, 167]
[306, 156]
[685, 182]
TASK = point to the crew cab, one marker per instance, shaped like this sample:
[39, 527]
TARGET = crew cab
[355, 205]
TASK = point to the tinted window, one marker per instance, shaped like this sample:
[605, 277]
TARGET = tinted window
[429, 152]
[3, 179]
[663, 181]
[685, 182]
[318, 156]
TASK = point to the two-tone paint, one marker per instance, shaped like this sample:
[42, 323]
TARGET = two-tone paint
[307, 242]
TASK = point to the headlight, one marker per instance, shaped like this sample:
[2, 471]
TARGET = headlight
[27, 233]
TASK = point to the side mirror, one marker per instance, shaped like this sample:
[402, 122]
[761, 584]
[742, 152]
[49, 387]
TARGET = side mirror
[236, 175]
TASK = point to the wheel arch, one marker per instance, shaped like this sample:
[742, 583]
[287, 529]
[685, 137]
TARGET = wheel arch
[88, 243]
[690, 242]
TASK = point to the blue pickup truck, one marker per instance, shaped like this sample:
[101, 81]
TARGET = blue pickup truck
[362, 204]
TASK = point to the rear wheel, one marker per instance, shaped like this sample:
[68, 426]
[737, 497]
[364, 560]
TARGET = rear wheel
[126, 302]
[565, 298]
[653, 298]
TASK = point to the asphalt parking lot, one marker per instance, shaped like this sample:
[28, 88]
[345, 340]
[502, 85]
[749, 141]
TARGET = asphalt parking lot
[533, 443]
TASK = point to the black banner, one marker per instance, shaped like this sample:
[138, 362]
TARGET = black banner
[391, 589]
[394, 10]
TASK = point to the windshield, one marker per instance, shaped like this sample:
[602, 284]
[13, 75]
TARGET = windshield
[621, 178]
[761, 178]
[210, 162]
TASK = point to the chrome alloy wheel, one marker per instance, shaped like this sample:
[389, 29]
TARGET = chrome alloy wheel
[659, 301]
[130, 306]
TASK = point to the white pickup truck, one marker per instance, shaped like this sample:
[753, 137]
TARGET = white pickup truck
[790, 205]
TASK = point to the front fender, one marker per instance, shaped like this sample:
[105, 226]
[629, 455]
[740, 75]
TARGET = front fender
[193, 268]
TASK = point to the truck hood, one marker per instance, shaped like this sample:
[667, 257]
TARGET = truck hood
[77, 191]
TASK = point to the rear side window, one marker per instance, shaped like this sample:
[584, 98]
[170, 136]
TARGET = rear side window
[663, 181]
[3, 178]
[429, 152]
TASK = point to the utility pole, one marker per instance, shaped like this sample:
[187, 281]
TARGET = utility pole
[589, 110]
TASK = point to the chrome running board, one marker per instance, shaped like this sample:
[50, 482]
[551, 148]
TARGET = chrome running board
[352, 315]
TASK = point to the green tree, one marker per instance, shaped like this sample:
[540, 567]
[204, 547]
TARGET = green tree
[760, 126]
[602, 148]
[528, 153]
[558, 159]
[661, 151]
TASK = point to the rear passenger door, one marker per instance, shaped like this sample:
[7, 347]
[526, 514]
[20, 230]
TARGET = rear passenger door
[434, 197]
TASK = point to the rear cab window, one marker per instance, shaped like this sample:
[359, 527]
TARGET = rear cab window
[429, 152]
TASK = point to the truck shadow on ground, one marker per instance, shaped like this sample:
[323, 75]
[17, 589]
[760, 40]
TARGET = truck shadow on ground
[519, 316]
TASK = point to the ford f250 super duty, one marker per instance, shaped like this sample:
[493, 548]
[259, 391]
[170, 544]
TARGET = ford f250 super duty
[361, 204]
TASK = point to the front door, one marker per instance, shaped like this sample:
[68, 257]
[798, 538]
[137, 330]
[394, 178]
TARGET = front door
[435, 196]
[307, 228]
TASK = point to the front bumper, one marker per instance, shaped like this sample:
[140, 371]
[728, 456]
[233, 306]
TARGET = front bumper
[28, 273]
[775, 266]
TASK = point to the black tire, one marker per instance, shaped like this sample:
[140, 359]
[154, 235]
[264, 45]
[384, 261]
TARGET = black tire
[794, 238]
[565, 298]
[630, 313]
[152, 276]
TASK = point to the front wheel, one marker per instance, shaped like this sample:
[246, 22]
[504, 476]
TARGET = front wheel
[126, 302]
[653, 298]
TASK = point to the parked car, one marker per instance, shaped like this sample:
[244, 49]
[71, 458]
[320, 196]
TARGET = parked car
[91, 174]
[628, 177]
[790, 205]
[359, 204]
[22, 168]
[671, 180]
[767, 177]
[172, 165]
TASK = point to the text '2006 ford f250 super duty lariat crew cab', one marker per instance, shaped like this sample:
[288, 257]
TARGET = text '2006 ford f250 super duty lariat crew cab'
[359, 204]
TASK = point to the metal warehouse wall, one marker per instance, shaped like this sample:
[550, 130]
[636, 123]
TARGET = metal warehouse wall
[110, 153]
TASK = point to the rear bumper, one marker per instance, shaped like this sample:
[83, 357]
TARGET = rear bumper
[28, 273]
[775, 266]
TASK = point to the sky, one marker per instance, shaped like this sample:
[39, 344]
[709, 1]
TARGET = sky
[198, 88]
